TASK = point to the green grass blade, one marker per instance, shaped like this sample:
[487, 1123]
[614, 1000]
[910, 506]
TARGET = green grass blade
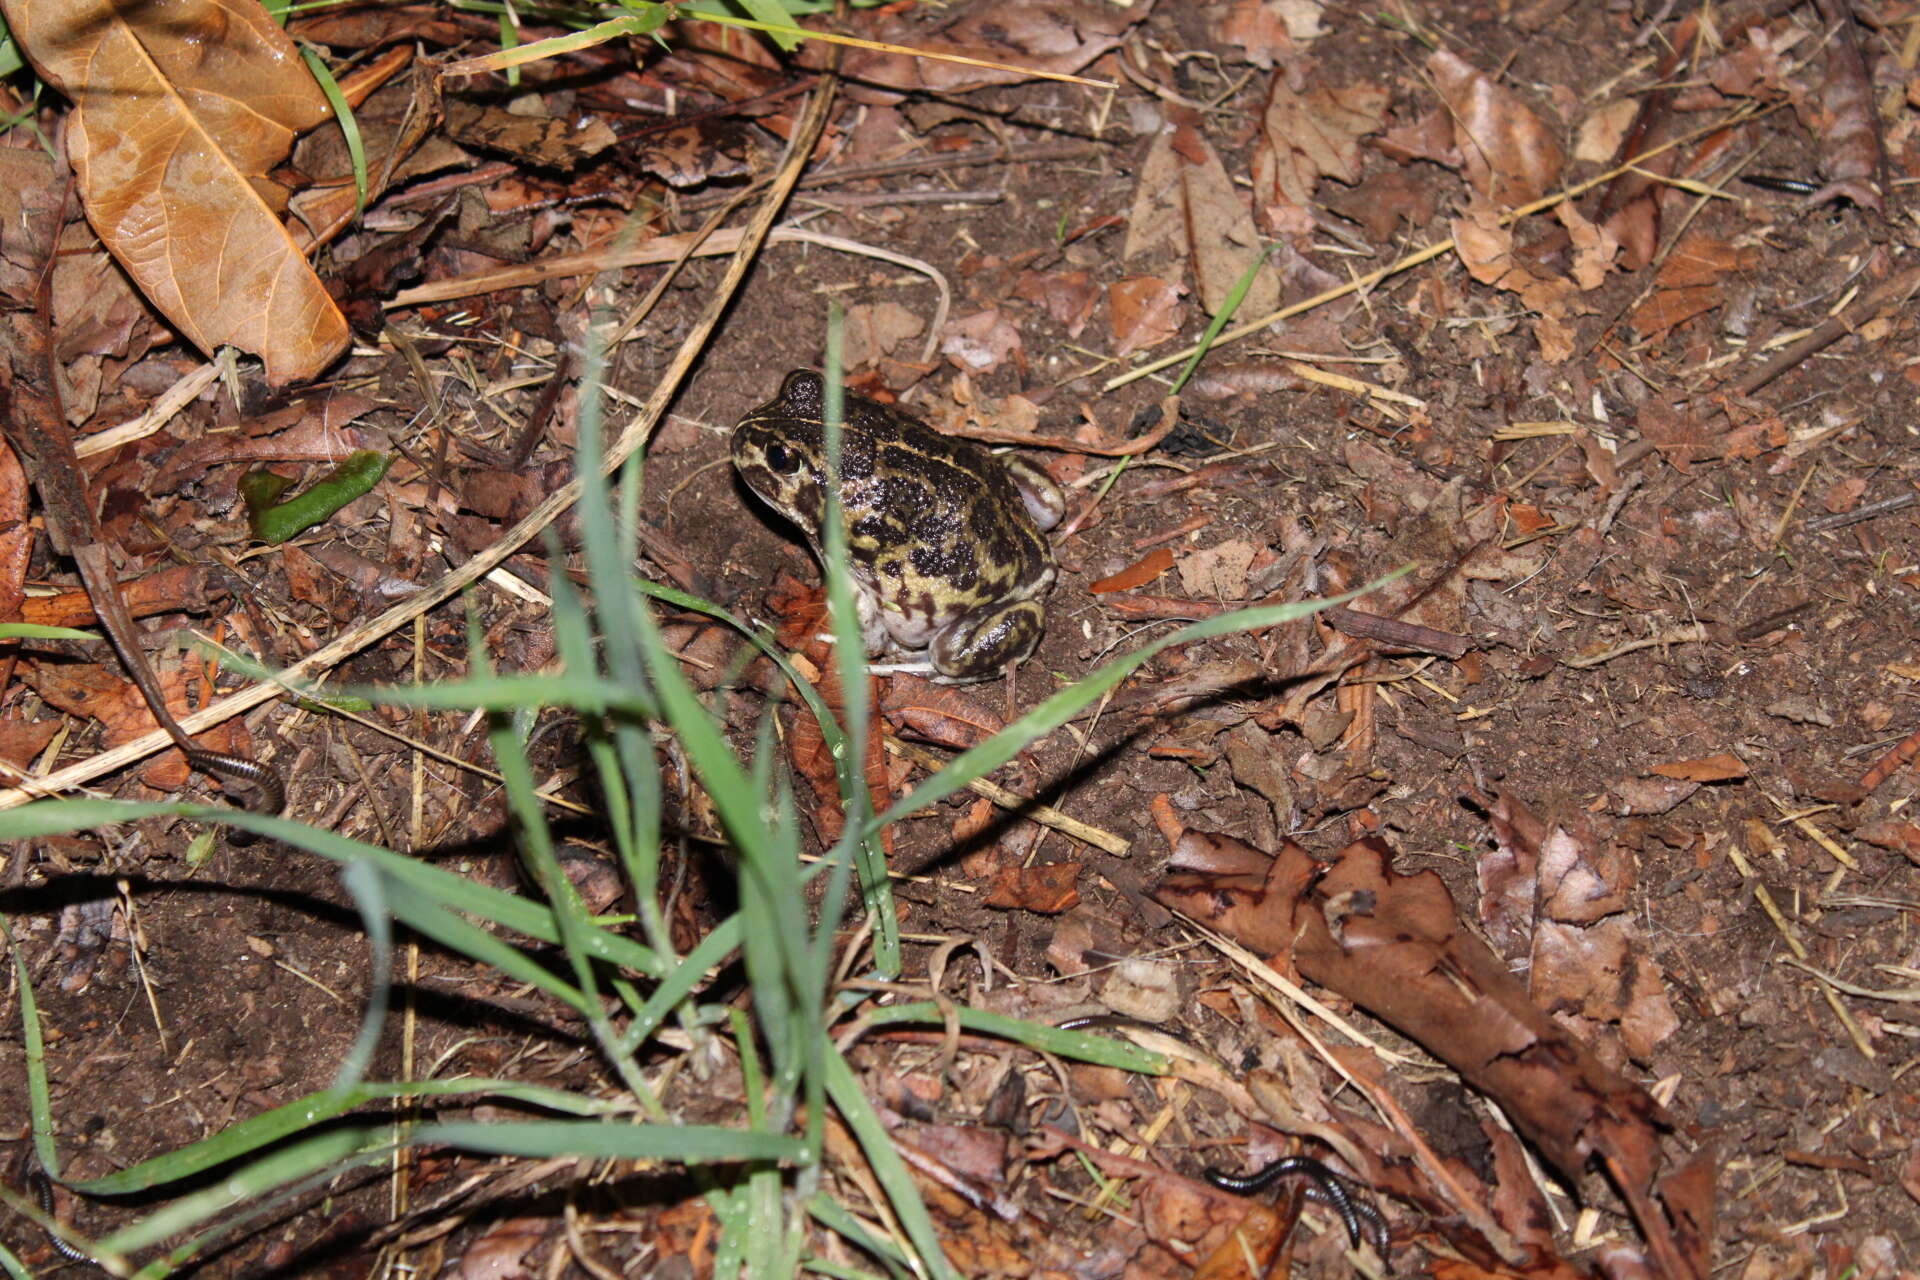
[679, 984]
[456, 893]
[977, 762]
[426, 917]
[1105, 1051]
[331, 1150]
[255, 1133]
[679, 1143]
[349, 126]
[834, 1216]
[1235, 296]
[888, 1168]
[364, 886]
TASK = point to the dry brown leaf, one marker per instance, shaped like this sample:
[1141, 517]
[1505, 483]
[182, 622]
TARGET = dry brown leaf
[1185, 202]
[1068, 296]
[1602, 132]
[551, 142]
[16, 535]
[1218, 572]
[29, 206]
[1650, 797]
[21, 743]
[1137, 574]
[1718, 768]
[1486, 248]
[1049, 889]
[1670, 308]
[1703, 259]
[1851, 155]
[1393, 944]
[1511, 156]
[981, 342]
[874, 329]
[85, 690]
[1307, 136]
[1259, 29]
[1682, 435]
[1144, 311]
[1602, 973]
[941, 714]
[177, 115]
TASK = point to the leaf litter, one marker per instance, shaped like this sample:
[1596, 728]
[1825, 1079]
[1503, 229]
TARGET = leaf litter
[1602, 433]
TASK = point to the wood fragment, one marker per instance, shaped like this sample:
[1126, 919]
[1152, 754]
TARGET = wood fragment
[1769, 623]
[1679, 635]
[1891, 763]
[1859, 515]
[1894, 289]
[1392, 633]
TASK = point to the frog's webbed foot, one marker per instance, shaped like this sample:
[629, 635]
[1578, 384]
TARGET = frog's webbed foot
[981, 644]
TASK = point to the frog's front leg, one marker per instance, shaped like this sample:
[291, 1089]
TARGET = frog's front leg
[873, 623]
[1042, 498]
[980, 644]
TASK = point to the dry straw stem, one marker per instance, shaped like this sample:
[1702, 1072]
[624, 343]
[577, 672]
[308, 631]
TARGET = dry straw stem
[675, 249]
[1272, 977]
[1814, 833]
[1695, 633]
[1014, 802]
[619, 28]
[1353, 386]
[1767, 904]
[1427, 254]
[631, 438]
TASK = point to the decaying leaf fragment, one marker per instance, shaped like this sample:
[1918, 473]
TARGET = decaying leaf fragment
[179, 112]
[1185, 201]
[1510, 154]
[1394, 945]
[1307, 136]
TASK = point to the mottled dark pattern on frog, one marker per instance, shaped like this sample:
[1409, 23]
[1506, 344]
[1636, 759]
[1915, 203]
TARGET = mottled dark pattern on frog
[940, 539]
[897, 480]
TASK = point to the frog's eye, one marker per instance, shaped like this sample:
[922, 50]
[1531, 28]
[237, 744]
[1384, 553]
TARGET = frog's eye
[782, 459]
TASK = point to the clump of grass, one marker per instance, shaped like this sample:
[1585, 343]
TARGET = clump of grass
[761, 1177]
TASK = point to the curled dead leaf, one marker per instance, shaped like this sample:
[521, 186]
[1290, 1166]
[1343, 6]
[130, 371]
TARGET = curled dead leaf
[1510, 155]
[177, 119]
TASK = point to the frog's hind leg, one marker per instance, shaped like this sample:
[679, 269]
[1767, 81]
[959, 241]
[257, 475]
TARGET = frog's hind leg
[981, 644]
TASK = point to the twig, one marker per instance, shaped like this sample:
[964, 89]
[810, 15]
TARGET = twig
[1395, 634]
[1014, 802]
[923, 163]
[664, 249]
[1832, 329]
[1898, 995]
[1427, 254]
[1859, 515]
[1679, 635]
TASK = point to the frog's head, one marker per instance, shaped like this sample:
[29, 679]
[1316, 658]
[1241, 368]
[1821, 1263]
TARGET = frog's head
[780, 451]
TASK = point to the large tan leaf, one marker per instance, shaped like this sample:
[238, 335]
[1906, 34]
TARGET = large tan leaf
[180, 106]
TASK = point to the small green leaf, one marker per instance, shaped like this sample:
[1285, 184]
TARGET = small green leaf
[276, 523]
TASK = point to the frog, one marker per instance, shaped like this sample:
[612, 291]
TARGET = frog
[945, 541]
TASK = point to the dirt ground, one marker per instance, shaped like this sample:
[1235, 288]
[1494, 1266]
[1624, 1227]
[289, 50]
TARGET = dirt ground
[1685, 600]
